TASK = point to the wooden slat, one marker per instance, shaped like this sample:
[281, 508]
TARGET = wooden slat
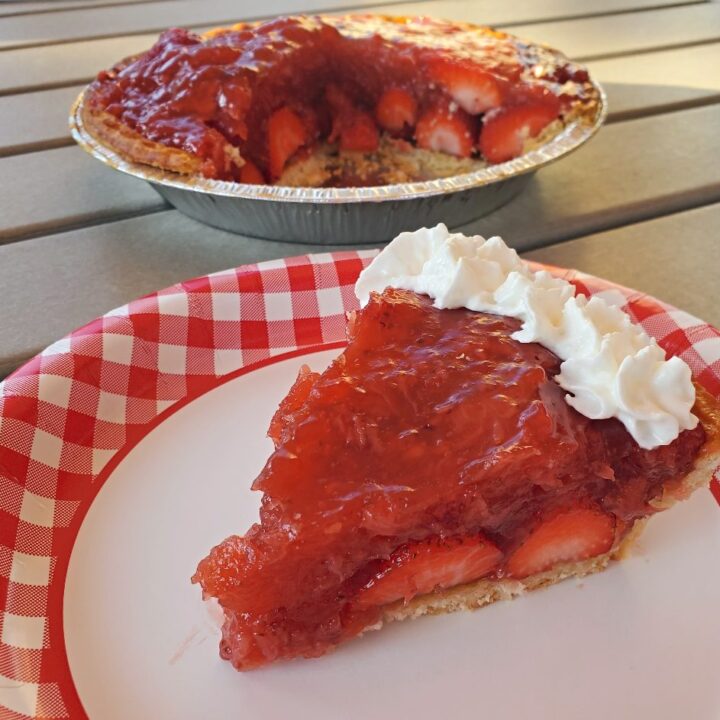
[632, 171]
[107, 21]
[674, 258]
[638, 85]
[33, 120]
[629, 172]
[523, 12]
[50, 6]
[54, 65]
[45, 191]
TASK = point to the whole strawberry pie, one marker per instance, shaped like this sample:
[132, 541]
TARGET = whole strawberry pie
[336, 101]
[486, 431]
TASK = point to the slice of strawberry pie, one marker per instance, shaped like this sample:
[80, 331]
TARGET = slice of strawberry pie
[484, 432]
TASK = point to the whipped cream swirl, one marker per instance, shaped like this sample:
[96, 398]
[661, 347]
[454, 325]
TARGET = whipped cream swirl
[611, 367]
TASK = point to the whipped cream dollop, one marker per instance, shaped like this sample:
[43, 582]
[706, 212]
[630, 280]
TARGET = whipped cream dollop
[610, 366]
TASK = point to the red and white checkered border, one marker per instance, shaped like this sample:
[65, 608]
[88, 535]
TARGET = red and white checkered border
[68, 412]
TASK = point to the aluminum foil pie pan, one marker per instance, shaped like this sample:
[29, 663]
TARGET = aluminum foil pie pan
[335, 216]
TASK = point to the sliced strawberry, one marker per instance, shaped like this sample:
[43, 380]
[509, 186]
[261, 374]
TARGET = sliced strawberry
[475, 90]
[250, 174]
[287, 133]
[419, 568]
[571, 536]
[441, 129]
[354, 128]
[505, 130]
[359, 132]
[396, 110]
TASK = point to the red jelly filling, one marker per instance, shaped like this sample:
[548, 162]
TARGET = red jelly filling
[433, 441]
[437, 82]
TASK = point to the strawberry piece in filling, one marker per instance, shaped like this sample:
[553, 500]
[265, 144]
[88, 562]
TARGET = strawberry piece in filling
[419, 568]
[250, 174]
[446, 129]
[287, 133]
[354, 128]
[569, 536]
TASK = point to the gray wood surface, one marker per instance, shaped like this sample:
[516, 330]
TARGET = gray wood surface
[65, 64]
[154, 16]
[628, 33]
[674, 258]
[56, 189]
[49, 6]
[658, 81]
[79, 275]
[36, 120]
[109, 21]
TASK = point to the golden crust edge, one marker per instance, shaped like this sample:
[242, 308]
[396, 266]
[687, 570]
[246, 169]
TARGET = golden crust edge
[133, 147]
[473, 596]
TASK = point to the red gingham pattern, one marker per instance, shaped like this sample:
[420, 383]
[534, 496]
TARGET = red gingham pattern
[67, 412]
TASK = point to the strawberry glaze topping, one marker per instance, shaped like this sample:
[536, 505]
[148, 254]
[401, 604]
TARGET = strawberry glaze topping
[205, 93]
[434, 440]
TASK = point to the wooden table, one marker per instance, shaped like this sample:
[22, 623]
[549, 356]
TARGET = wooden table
[640, 204]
